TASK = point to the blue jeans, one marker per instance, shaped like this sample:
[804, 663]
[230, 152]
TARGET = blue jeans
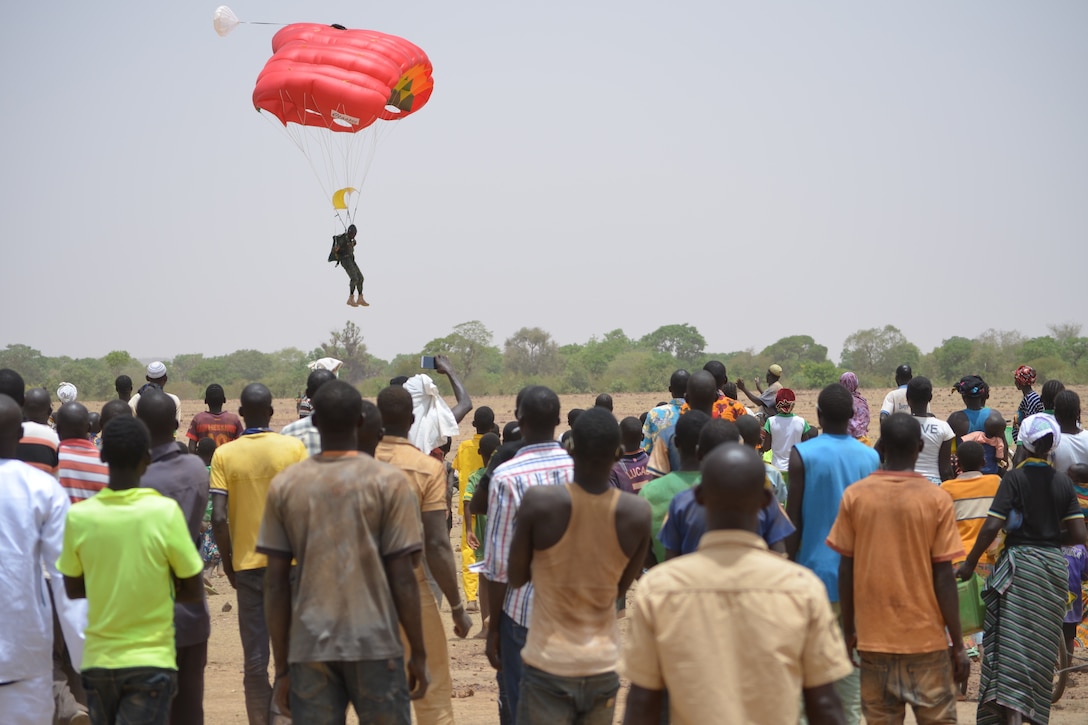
[255, 644]
[547, 699]
[136, 695]
[511, 642]
[378, 689]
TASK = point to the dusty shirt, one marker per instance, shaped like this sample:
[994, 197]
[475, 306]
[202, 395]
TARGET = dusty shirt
[896, 525]
[341, 516]
[733, 632]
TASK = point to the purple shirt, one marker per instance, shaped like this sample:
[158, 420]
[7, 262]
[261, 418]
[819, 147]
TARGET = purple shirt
[184, 478]
[1076, 558]
[630, 472]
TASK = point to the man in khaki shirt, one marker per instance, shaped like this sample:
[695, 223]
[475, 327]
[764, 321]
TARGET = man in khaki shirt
[428, 478]
[733, 632]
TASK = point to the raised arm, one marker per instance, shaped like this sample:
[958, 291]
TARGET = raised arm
[463, 402]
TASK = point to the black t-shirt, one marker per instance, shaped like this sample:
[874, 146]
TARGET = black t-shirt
[1046, 499]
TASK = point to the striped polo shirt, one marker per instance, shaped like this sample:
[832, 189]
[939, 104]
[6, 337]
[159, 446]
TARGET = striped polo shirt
[38, 447]
[82, 472]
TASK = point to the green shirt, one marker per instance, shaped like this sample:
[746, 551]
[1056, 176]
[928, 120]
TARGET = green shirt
[125, 544]
[659, 493]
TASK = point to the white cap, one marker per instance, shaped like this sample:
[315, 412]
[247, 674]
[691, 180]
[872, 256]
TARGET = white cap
[67, 392]
[156, 370]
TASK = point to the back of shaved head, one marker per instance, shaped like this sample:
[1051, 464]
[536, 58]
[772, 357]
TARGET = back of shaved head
[112, 409]
[11, 426]
[395, 405]
[539, 408]
[596, 435]
[702, 390]
[256, 395]
[678, 383]
[73, 420]
[156, 409]
[733, 480]
[717, 432]
[36, 404]
[316, 379]
[900, 434]
[717, 369]
[12, 385]
[337, 407]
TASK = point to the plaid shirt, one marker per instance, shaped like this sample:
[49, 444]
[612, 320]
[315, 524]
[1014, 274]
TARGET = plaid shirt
[305, 430]
[540, 464]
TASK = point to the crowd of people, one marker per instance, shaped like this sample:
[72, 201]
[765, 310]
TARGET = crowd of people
[787, 570]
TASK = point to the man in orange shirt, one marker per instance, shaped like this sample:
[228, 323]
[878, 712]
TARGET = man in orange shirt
[896, 515]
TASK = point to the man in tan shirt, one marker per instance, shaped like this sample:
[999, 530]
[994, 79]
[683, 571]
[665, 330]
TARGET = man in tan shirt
[581, 543]
[734, 632]
[428, 479]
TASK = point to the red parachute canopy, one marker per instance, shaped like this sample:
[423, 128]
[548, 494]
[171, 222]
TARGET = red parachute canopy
[342, 80]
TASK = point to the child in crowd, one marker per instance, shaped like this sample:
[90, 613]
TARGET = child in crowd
[630, 473]
[992, 438]
[783, 431]
[209, 551]
[1076, 558]
[489, 443]
[960, 426]
[1079, 473]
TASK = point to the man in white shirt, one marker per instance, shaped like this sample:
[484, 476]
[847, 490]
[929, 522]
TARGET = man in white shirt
[32, 513]
[156, 376]
[896, 400]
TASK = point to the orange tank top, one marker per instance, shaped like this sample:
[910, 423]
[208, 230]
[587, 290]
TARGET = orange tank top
[573, 630]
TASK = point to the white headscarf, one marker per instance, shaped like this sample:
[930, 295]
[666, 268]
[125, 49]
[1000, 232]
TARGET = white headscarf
[1039, 426]
[434, 419]
[67, 393]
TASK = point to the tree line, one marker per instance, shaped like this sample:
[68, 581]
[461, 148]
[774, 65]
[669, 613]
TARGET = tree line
[612, 362]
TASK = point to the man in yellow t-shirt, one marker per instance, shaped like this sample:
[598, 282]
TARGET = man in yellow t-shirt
[466, 462]
[241, 472]
[123, 548]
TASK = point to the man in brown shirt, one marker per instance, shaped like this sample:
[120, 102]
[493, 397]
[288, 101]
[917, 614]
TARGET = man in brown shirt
[582, 544]
[428, 478]
[352, 523]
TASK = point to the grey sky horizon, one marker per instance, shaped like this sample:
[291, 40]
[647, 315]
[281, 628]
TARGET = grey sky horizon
[756, 170]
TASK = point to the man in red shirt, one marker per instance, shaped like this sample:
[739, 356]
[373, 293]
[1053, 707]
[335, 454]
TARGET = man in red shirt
[214, 423]
[81, 470]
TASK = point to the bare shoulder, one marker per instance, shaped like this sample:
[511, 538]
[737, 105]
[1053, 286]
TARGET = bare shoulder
[545, 497]
[633, 507]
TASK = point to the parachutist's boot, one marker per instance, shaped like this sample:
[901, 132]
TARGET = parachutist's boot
[362, 302]
[351, 301]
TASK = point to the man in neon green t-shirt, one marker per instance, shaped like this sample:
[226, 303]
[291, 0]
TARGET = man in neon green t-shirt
[123, 549]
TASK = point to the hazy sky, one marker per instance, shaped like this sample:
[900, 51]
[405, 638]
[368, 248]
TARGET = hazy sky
[756, 169]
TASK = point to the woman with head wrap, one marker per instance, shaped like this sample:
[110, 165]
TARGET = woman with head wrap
[975, 392]
[859, 424]
[783, 430]
[1036, 505]
[1030, 404]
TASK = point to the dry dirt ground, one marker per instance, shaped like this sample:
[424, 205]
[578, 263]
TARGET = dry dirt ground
[473, 679]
